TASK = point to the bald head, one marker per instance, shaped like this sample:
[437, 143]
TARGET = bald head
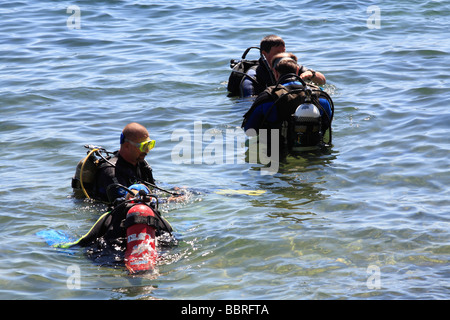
[135, 133]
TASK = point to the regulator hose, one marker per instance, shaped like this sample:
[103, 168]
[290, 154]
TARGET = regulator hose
[81, 172]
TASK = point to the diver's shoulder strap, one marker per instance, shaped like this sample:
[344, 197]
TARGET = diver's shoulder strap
[138, 219]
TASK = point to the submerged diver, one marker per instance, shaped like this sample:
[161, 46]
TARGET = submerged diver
[110, 230]
[302, 113]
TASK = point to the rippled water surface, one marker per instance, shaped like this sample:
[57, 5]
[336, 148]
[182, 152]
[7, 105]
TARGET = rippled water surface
[368, 219]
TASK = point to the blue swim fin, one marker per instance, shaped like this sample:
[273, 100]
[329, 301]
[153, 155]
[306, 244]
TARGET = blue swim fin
[53, 237]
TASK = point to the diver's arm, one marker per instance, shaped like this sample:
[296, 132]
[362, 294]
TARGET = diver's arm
[314, 76]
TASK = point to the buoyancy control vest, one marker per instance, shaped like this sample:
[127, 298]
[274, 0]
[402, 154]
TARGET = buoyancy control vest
[240, 72]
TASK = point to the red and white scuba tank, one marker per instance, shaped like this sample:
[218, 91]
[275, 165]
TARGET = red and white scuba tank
[140, 255]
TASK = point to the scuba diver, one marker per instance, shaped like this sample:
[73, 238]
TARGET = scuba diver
[131, 228]
[301, 112]
[99, 177]
[133, 220]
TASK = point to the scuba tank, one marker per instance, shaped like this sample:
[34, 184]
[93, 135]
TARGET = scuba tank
[140, 254]
[143, 223]
[306, 126]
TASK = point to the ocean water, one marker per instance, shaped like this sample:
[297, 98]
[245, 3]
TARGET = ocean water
[367, 219]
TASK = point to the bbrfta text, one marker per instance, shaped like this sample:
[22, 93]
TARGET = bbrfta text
[254, 309]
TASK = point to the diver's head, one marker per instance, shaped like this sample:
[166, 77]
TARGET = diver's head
[284, 63]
